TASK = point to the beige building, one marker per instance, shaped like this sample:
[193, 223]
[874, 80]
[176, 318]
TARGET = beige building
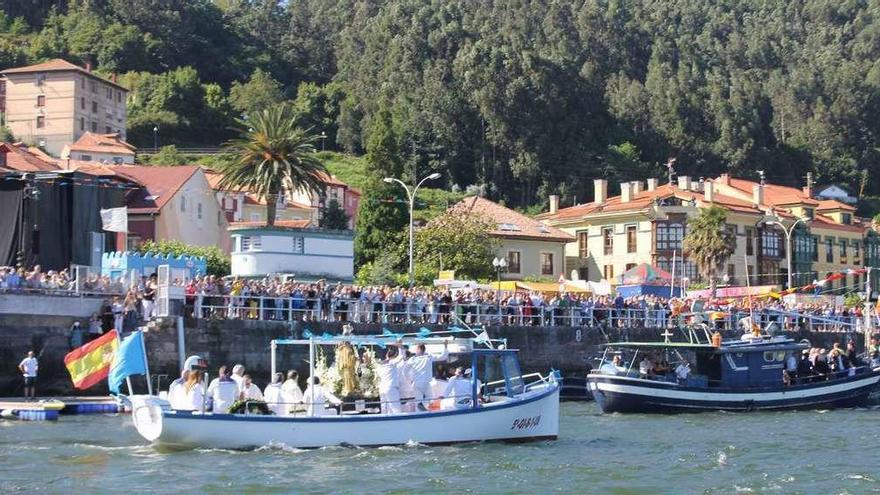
[52, 104]
[240, 206]
[647, 222]
[532, 249]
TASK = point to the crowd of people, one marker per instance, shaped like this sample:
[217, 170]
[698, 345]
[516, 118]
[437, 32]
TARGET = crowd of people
[286, 299]
[406, 383]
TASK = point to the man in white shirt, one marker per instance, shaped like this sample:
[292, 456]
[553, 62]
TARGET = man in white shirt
[422, 368]
[291, 392]
[274, 396]
[389, 382]
[223, 392]
[238, 375]
[459, 391]
[315, 396]
[28, 367]
[249, 391]
[682, 372]
[177, 392]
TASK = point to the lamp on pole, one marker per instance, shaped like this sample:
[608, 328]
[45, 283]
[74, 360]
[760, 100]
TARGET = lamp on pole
[499, 263]
[788, 231]
[323, 136]
[155, 138]
[411, 195]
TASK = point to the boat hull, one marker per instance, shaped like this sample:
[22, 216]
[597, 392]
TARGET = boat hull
[633, 395]
[535, 416]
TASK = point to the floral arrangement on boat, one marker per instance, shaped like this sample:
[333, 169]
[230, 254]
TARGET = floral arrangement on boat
[351, 373]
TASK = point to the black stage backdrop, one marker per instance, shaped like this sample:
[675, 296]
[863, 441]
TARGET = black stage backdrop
[11, 193]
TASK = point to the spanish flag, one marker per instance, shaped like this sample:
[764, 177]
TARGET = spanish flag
[90, 363]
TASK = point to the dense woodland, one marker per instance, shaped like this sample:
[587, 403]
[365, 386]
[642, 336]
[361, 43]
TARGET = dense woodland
[523, 98]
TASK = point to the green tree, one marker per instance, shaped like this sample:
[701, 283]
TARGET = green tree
[382, 219]
[458, 241]
[708, 243]
[260, 92]
[217, 262]
[6, 135]
[333, 216]
[272, 155]
[168, 156]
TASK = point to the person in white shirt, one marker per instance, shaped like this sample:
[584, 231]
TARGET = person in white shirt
[249, 391]
[389, 382]
[459, 391]
[315, 396]
[238, 375]
[176, 391]
[28, 367]
[405, 377]
[194, 392]
[291, 392]
[223, 392]
[274, 396]
[682, 372]
[422, 369]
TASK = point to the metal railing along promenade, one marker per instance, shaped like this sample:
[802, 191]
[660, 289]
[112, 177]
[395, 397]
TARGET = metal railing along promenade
[431, 312]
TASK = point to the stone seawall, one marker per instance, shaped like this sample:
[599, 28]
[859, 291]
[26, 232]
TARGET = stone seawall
[247, 342]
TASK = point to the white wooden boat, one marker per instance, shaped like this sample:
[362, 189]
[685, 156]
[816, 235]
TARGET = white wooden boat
[515, 408]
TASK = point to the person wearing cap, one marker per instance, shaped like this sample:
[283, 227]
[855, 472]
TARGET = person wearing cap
[238, 376]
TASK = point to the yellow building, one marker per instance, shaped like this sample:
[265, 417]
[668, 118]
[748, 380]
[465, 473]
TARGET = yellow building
[646, 223]
[53, 103]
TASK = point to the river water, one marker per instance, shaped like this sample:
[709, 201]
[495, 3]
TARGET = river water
[822, 452]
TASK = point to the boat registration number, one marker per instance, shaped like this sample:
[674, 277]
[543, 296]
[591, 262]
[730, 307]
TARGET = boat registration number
[524, 423]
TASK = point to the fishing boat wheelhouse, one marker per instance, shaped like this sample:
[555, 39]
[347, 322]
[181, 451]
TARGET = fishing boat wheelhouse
[736, 375]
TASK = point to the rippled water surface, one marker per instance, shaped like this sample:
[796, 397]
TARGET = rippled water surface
[788, 452]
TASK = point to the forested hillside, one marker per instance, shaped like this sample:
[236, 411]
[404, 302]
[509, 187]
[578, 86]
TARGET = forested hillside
[524, 97]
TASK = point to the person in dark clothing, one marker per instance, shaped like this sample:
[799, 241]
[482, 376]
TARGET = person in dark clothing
[852, 358]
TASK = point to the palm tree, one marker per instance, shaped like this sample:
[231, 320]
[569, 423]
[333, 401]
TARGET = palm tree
[708, 242]
[272, 155]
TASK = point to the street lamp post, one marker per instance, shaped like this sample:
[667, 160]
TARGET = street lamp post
[156, 138]
[499, 263]
[411, 195]
[788, 233]
[323, 136]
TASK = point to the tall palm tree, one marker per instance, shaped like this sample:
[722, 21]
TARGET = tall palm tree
[708, 242]
[272, 155]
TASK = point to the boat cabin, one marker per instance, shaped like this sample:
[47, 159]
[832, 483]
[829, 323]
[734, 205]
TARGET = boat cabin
[754, 363]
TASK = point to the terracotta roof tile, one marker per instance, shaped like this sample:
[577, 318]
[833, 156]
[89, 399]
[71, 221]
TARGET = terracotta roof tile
[510, 223]
[160, 184]
[775, 194]
[57, 65]
[833, 204]
[102, 143]
[18, 158]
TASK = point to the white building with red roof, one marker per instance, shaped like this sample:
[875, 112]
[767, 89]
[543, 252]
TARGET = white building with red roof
[103, 148]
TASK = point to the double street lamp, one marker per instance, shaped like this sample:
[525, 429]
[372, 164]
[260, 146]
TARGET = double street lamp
[411, 195]
[788, 231]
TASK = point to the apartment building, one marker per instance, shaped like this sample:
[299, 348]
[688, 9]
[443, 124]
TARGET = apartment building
[647, 222]
[52, 104]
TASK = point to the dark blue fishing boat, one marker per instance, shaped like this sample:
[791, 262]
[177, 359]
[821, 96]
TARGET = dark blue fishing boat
[738, 375]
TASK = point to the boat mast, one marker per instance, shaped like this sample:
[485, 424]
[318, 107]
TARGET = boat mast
[869, 320]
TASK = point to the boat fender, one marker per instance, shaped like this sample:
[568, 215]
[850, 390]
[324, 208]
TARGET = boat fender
[7, 413]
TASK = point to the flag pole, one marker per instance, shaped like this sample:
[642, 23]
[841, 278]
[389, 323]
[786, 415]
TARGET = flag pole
[146, 365]
[128, 378]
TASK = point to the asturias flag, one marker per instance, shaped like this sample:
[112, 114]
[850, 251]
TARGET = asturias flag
[129, 360]
[90, 363]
